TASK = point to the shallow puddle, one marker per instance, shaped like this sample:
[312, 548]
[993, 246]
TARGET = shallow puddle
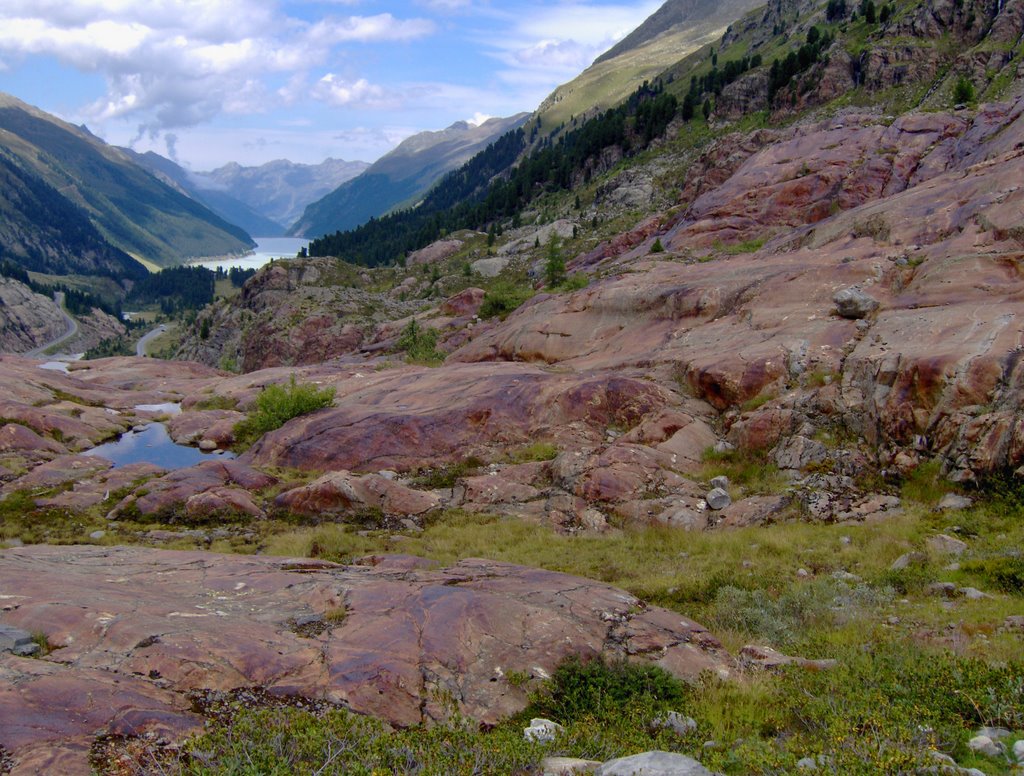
[152, 444]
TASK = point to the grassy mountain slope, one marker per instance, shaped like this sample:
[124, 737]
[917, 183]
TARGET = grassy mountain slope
[221, 202]
[401, 176]
[43, 231]
[673, 31]
[279, 190]
[133, 210]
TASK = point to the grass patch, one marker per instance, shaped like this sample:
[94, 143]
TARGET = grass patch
[744, 246]
[217, 403]
[925, 484]
[537, 451]
[749, 469]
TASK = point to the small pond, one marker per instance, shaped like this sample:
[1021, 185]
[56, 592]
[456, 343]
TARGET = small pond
[152, 444]
[61, 363]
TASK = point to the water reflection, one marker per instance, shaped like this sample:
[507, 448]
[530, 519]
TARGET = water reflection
[152, 444]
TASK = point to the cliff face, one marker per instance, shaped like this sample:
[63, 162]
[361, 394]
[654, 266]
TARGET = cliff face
[27, 319]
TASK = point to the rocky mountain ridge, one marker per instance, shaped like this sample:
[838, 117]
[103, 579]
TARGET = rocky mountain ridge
[279, 190]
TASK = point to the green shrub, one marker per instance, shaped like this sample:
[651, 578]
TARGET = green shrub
[963, 91]
[554, 265]
[419, 344]
[276, 405]
[925, 484]
[785, 619]
[502, 298]
[447, 476]
[657, 247]
[597, 688]
[1005, 574]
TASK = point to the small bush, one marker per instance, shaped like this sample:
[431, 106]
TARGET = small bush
[597, 688]
[554, 265]
[502, 298]
[963, 91]
[447, 476]
[657, 247]
[924, 485]
[419, 344]
[1005, 574]
[277, 404]
[785, 619]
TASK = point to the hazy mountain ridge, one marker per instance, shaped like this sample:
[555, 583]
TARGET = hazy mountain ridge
[228, 207]
[132, 209]
[401, 176]
[279, 190]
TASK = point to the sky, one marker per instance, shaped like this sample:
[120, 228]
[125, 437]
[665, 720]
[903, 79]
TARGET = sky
[206, 82]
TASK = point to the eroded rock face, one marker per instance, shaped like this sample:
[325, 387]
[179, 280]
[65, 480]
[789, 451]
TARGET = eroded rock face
[137, 628]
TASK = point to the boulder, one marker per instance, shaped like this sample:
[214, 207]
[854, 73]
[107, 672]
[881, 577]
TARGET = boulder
[678, 723]
[17, 641]
[341, 491]
[653, 764]
[986, 746]
[718, 499]
[853, 303]
[466, 302]
[954, 502]
[542, 731]
[769, 659]
[565, 766]
[943, 544]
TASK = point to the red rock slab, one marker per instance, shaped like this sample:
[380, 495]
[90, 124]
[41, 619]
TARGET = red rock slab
[342, 492]
[52, 713]
[151, 376]
[65, 469]
[411, 418]
[150, 623]
[176, 488]
[193, 426]
[15, 438]
[466, 302]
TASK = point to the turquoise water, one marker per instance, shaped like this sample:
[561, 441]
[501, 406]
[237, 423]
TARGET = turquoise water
[266, 249]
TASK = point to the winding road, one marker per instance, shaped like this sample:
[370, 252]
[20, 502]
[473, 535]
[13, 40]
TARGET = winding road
[58, 298]
[145, 339]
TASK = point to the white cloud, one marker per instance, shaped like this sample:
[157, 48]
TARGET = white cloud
[553, 43]
[176, 63]
[342, 93]
[445, 6]
[382, 27]
[478, 118]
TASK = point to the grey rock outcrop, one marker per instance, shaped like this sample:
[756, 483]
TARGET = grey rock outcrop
[854, 304]
[653, 764]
